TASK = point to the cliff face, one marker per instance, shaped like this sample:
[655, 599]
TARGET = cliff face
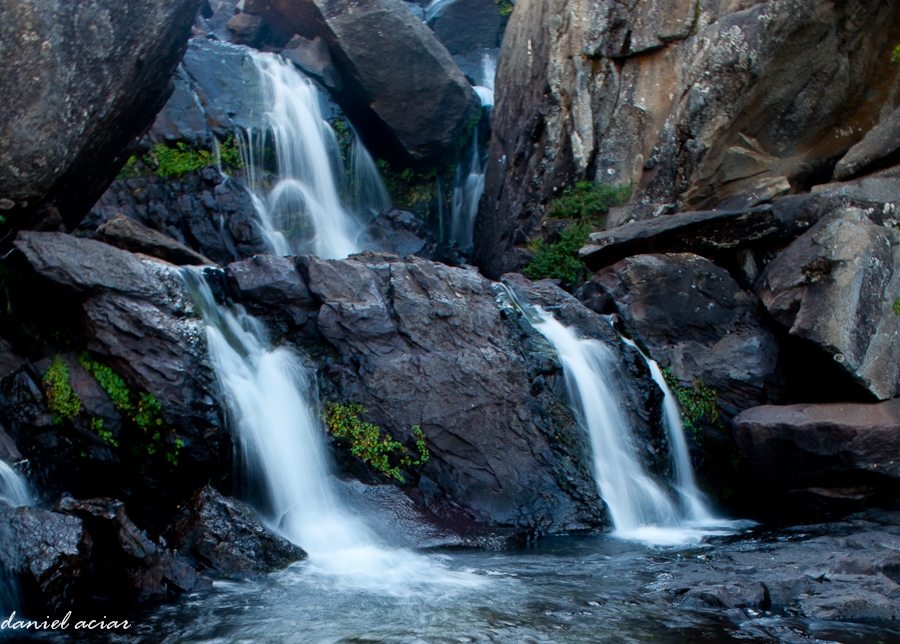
[693, 103]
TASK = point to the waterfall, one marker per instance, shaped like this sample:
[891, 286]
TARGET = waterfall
[641, 508]
[13, 487]
[485, 86]
[301, 210]
[370, 196]
[695, 508]
[468, 187]
[274, 412]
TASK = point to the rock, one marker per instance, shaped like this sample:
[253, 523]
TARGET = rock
[464, 25]
[126, 561]
[214, 22]
[48, 552]
[130, 235]
[693, 318]
[797, 445]
[424, 344]
[73, 106]
[745, 100]
[313, 57]
[190, 211]
[245, 29]
[401, 233]
[226, 536]
[272, 288]
[703, 233]
[879, 144]
[389, 60]
[835, 286]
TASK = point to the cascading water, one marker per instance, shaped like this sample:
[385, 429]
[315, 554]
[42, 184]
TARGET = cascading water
[13, 487]
[273, 409]
[485, 87]
[641, 508]
[370, 196]
[302, 210]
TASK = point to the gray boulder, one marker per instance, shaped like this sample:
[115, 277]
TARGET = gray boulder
[313, 57]
[703, 233]
[879, 144]
[49, 554]
[693, 318]
[389, 60]
[815, 444]
[72, 105]
[272, 288]
[226, 536]
[836, 286]
[128, 234]
[464, 25]
[692, 103]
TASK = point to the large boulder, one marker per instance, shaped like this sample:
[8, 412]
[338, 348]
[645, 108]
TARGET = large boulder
[696, 320]
[87, 78]
[820, 444]
[424, 344]
[389, 61]
[226, 536]
[128, 234]
[49, 554]
[692, 103]
[878, 146]
[836, 286]
[464, 25]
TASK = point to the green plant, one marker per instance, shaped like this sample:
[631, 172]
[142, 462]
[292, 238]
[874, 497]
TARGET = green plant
[587, 200]
[111, 382]
[105, 434]
[559, 259]
[61, 398]
[230, 153]
[504, 7]
[896, 306]
[173, 162]
[696, 403]
[895, 53]
[129, 170]
[366, 440]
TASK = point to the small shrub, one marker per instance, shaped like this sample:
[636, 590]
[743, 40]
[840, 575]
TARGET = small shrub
[696, 403]
[559, 259]
[366, 440]
[61, 398]
[587, 201]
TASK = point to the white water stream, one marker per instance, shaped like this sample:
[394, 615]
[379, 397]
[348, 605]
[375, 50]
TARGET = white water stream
[274, 412]
[642, 509]
[13, 487]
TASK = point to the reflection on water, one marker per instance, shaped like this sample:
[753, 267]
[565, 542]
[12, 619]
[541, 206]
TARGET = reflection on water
[563, 589]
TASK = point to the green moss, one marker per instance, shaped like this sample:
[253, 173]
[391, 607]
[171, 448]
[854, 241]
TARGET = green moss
[588, 201]
[367, 441]
[895, 53]
[173, 162]
[896, 306]
[64, 403]
[559, 259]
[697, 403]
[504, 7]
[230, 153]
[129, 170]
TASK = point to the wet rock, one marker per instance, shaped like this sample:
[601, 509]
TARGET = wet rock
[693, 318]
[389, 60]
[226, 536]
[126, 559]
[703, 233]
[73, 108]
[464, 25]
[745, 101]
[879, 144]
[400, 233]
[796, 445]
[313, 57]
[424, 344]
[212, 216]
[245, 29]
[272, 288]
[48, 552]
[133, 236]
[835, 286]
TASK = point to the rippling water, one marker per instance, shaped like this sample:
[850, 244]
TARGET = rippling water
[563, 589]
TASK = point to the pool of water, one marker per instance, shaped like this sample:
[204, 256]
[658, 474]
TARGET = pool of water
[562, 589]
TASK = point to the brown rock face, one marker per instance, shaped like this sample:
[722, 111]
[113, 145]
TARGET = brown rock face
[692, 103]
[83, 79]
[803, 444]
[401, 88]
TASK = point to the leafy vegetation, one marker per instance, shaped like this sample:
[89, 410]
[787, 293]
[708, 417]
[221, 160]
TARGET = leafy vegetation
[895, 53]
[587, 201]
[697, 403]
[896, 306]
[172, 162]
[504, 7]
[367, 442]
[61, 398]
[559, 259]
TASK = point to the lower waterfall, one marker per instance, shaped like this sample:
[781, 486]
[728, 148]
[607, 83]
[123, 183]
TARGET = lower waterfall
[13, 487]
[273, 410]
